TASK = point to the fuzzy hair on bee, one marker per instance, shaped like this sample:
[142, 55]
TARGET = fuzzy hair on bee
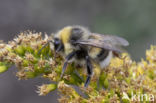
[77, 44]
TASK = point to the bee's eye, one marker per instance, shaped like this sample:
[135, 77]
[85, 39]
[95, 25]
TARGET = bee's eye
[57, 42]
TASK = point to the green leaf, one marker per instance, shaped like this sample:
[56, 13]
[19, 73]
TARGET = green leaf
[3, 68]
[20, 50]
[51, 87]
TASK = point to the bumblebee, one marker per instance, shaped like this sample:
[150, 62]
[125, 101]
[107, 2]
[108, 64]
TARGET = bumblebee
[77, 44]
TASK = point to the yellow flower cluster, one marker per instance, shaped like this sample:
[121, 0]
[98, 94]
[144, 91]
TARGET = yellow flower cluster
[123, 80]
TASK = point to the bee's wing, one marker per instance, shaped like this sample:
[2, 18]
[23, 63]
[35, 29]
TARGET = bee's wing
[116, 40]
[109, 42]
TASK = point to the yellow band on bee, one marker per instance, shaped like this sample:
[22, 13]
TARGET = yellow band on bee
[65, 34]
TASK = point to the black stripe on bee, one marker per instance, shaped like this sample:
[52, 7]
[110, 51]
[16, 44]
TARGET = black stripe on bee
[76, 34]
[81, 54]
[103, 54]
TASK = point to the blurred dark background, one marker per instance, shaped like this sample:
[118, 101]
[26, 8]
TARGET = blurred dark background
[134, 20]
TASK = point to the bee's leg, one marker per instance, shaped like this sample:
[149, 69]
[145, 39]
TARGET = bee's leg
[68, 57]
[89, 71]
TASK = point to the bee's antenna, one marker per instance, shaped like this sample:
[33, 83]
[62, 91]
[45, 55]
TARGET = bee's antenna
[45, 46]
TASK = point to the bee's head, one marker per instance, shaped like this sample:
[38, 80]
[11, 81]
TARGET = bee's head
[61, 38]
[64, 39]
[58, 45]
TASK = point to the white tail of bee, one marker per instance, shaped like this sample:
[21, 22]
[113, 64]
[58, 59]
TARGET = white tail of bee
[106, 61]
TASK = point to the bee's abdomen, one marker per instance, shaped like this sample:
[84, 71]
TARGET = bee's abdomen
[105, 58]
[101, 56]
